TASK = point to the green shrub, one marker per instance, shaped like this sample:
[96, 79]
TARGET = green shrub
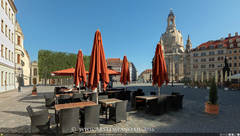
[213, 94]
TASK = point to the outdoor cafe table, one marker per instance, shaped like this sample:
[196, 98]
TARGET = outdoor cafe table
[150, 97]
[81, 105]
[108, 102]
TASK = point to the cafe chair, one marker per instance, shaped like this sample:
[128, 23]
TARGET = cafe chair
[49, 101]
[118, 112]
[69, 120]
[63, 98]
[93, 97]
[40, 120]
[77, 97]
[157, 106]
[90, 116]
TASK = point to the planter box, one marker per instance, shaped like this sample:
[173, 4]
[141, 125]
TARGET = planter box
[211, 108]
[34, 93]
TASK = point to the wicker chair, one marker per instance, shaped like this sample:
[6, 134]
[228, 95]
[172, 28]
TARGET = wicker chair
[118, 112]
[69, 120]
[157, 106]
[49, 101]
[64, 99]
[90, 117]
[93, 97]
[77, 97]
[40, 121]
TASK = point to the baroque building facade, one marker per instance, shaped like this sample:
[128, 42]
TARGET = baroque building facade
[207, 59]
[176, 56]
[22, 63]
[7, 67]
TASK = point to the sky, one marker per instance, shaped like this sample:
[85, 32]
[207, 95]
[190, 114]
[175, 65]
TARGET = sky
[128, 27]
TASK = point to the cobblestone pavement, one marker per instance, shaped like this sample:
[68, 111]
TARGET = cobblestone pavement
[14, 118]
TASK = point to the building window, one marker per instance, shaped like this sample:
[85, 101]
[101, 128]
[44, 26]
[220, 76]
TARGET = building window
[230, 64]
[220, 46]
[235, 64]
[9, 34]
[35, 71]
[5, 53]
[6, 30]
[195, 54]
[18, 40]
[2, 26]
[211, 47]
[203, 54]
[2, 50]
[18, 59]
[12, 17]
[220, 51]
[230, 58]
[5, 79]
[12, 38]
[2, 78]
[235, 57]
[235, 51]
[211, 53]
[9, 13]
[2, 4]
[230, 52]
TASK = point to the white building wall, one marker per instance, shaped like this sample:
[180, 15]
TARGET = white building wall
[7, 64]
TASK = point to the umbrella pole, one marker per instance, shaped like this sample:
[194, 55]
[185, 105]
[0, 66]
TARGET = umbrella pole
[158, 91]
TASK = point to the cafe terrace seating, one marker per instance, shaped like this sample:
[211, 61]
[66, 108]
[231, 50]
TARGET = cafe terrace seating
[118, 112]
[40, 121]
[69, 120]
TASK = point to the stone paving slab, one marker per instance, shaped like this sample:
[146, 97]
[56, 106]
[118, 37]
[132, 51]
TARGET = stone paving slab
[14, 117]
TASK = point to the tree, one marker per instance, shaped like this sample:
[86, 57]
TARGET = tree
[49, 61]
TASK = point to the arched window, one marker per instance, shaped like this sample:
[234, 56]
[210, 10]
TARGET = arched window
[18, 59]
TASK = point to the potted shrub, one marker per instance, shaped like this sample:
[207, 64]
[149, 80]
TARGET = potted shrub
[211, 106]
[34, 90]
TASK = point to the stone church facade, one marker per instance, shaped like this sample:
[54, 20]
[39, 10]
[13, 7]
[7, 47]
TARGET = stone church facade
[176, 56]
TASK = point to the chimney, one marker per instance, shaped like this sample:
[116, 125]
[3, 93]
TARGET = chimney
[229, 35]
[236, 33]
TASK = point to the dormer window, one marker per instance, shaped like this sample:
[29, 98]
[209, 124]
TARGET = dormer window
[202, 48]
[211, 47]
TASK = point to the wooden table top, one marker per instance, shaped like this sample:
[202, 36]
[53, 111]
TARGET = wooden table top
[58, 95]
[113, 91]
[87, 92]
[109, 101]
[151, 97]
[74, 105]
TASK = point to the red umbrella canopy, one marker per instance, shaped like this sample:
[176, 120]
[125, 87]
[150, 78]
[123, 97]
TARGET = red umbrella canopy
[64, 72]
[80, 73]
[98, 65]
[125, 75]
[159, 70]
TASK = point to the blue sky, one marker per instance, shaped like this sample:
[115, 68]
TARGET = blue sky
[128, 27]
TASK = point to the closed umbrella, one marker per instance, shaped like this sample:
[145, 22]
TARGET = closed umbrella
[159, 70]
[230, 74]
[125, 74]
[80, 73]
[98, 65]
[202, 77]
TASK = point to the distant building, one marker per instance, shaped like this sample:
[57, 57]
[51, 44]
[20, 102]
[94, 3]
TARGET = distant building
[209, 57]
[116, 64]
[22, 63]
[177, 57]
[146, 75]
[7, 22]
[34, 72]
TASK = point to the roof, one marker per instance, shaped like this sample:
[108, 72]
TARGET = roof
[70, 72]
[221, 43]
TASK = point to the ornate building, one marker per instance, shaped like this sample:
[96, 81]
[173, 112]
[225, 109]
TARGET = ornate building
[174, 52]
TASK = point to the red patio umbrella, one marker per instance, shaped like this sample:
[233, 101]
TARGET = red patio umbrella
[80, 73]
[98, 65]
[159, 70]
[125, 74]
[64, 72]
